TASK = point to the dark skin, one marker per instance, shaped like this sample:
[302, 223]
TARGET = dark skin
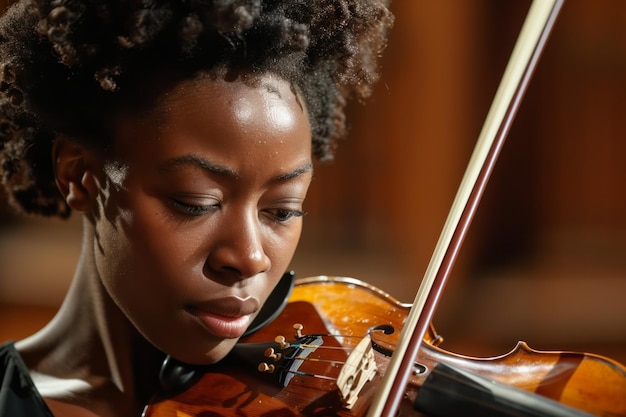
[190, 220]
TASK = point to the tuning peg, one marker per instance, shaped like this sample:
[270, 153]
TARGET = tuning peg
[270, 353]
[268, 368]
[282, 342]
[298, 328]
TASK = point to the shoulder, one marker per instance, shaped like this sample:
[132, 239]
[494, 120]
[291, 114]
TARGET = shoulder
[18, 395]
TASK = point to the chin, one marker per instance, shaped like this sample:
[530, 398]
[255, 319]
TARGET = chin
[213, 355]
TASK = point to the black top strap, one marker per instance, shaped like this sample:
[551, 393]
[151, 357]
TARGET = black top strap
[18, 395]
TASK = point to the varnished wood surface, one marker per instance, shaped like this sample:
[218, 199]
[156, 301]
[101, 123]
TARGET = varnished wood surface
[345, 308]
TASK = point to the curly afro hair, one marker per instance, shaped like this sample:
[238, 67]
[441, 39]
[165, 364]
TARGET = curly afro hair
[67, 67]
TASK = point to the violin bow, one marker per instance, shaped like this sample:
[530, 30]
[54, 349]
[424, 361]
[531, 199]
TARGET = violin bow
[526, 53]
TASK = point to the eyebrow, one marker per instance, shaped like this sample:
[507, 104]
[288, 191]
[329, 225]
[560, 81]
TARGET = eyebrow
[197, 161]
[210, 166]
[295, 173]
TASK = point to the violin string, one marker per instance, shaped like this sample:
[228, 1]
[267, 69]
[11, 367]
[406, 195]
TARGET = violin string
[333, 362]
[304, 345]
[300, 373]
[337, 335]
[314, 348]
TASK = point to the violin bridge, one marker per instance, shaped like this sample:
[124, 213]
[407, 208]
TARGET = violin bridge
[360, 367]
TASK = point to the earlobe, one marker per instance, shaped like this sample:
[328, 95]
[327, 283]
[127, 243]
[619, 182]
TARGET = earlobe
[73, 174]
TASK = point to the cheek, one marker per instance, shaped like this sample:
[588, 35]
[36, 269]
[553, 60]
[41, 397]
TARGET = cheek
[281, 246]
[152, 265]
[137, 254]
[150, 272]
[161, 256]
[281, 253]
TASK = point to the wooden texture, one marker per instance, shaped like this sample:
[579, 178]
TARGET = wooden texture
[345, 308]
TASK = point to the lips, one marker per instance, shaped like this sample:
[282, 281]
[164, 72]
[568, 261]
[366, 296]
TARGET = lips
[227, 317]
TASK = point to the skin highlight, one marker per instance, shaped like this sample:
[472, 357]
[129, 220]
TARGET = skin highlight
[184, 243]
[182, 133]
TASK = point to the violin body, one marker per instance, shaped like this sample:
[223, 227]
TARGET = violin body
[304, 384]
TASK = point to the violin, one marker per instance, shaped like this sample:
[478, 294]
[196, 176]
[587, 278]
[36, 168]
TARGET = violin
[356, 351]
[293, 366]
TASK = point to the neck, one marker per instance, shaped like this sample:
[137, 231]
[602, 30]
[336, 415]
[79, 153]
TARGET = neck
[93, 354]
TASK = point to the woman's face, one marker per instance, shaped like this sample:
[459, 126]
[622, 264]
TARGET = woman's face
[200, 211]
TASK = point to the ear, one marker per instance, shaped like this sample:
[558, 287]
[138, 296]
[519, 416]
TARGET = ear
[73, 173]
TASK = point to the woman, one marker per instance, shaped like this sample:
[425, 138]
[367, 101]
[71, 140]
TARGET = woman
[183, 133]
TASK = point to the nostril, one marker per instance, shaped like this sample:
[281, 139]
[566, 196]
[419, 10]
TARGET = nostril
[239, 252]
[222, 272]
[235, 268]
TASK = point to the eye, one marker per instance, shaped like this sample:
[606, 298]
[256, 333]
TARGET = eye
[284, 215]
[194, 209]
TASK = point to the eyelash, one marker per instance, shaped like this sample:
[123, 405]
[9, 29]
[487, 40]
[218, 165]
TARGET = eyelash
[192, 209]
[284, 215]
[279, 215]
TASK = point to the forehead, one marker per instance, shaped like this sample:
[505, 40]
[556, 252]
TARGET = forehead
[245, 99]
[214, 116]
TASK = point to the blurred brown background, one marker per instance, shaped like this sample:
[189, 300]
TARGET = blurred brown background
[545, 259]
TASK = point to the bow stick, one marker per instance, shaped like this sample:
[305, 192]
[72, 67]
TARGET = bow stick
[519, 70]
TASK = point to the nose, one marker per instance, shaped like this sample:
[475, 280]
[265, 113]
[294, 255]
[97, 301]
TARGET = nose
[239, 251]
